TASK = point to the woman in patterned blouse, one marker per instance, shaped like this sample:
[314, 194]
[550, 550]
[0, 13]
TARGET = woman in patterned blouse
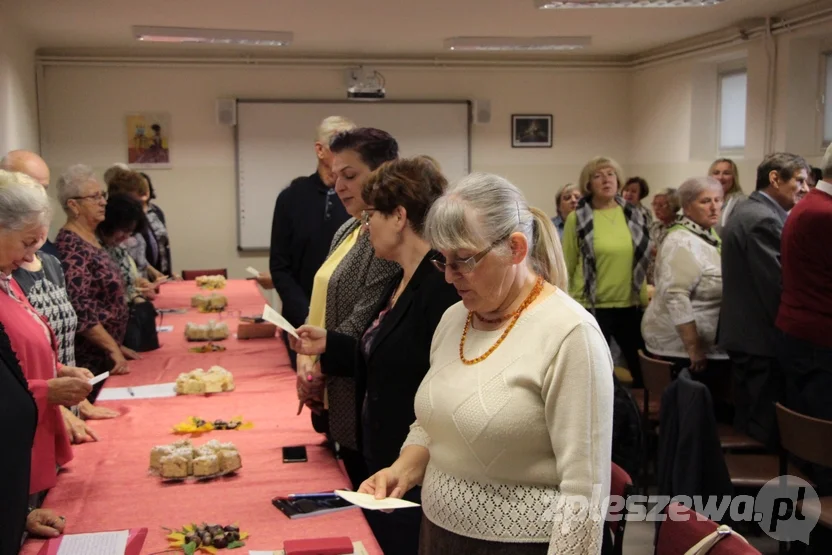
[93, 280]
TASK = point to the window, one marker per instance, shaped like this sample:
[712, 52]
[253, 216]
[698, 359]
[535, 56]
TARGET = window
[827, 103]
[733, 92]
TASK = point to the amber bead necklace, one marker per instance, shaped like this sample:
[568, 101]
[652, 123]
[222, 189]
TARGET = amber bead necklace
[538, 287]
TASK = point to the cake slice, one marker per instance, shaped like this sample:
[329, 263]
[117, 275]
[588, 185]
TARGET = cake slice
[156, 455]
[230, 460]
[206, 465]
[174, 466]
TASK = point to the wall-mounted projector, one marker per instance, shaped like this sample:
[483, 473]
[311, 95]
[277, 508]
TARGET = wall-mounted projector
[364, 83]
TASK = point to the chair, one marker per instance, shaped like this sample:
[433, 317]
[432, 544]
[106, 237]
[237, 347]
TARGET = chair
[809, 439]
[190, 275]
[684, 528]
[732, 440]
[657, 376]
[621, 485]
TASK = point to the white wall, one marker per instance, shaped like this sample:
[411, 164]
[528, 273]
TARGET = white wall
[18, 100]
[84, 110]
[674, 105]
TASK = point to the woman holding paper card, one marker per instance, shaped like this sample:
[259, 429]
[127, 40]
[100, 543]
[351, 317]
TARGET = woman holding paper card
[346, 289]
[514, 417]
[24, 222]
[392, 355]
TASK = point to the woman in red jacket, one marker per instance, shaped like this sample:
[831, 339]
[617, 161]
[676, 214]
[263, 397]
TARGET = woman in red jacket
[24, 222]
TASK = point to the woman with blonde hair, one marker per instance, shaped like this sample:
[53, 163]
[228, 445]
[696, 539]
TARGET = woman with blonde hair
[606, 243]
[514, 417]
[565, 203]
[726, 172]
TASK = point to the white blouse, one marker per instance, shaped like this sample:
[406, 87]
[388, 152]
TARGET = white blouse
[688, 289]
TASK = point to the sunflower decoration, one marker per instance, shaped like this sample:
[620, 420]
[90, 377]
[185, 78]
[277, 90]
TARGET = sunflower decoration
[206, 538]
[196, 426]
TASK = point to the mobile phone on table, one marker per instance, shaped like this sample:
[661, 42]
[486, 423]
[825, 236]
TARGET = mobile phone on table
[293, 454]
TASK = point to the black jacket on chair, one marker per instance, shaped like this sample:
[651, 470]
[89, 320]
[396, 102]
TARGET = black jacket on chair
[19, 412]
[690, 459]
[398, 360]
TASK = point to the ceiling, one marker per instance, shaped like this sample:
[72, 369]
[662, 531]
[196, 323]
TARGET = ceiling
[377, 28]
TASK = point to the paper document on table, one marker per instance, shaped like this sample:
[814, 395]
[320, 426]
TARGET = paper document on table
[103, 543]
[252, 271]
[155, 391]
[358, 548]
[99, 377]
[273, 316]
[367, 501]
[164, 329]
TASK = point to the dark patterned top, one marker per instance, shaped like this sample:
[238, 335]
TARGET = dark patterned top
[95, 288]
[46, 291]
[128, 270]
[136, 247]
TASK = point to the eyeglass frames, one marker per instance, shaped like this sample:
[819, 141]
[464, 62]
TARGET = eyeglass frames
[467, 265]
[99, 196]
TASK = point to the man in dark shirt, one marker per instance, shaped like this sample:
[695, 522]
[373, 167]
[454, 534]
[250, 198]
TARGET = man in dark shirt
[29, 163]
[306, 216]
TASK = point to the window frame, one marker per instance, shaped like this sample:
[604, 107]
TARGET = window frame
[823, 99]
[721, 75]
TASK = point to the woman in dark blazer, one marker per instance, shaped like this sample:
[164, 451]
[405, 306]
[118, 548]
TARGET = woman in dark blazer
[392, 354]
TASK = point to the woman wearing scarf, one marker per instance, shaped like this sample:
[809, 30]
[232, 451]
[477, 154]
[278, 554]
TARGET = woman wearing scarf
[606, 243]
[680, 324]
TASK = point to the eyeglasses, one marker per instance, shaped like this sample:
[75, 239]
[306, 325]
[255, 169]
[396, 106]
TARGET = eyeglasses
[465, 266]
[97, 197]
[366, 214]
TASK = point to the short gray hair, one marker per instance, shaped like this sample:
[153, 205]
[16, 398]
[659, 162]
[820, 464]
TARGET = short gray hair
[331, 126]
[483, 208]
[71, 182]
[672, 196]
[111, 171]
[690, 190]
[23, 202]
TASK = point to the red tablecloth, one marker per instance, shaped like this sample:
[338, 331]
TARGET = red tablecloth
[107, 487]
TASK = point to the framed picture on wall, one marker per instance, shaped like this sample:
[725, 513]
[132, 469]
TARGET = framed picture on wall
[148, 140]
[531, 131]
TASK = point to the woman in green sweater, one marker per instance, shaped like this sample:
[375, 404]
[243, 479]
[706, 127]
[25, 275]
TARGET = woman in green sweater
[606, 243]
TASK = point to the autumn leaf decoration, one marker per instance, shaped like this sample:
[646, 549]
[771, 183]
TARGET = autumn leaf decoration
[206, 538]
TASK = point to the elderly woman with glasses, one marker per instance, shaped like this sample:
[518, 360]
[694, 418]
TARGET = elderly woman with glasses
[392, 355]
[514, 417]
[93, 280]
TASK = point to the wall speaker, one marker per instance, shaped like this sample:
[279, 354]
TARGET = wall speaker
[482, 111]
[227, 111]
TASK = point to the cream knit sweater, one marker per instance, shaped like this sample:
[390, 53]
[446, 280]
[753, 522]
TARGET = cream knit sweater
[511, 437]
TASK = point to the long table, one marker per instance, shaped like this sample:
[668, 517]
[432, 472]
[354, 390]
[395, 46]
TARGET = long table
[107, 486]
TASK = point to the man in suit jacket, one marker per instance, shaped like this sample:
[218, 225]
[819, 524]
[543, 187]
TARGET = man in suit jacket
[307, 214]
[751, 292]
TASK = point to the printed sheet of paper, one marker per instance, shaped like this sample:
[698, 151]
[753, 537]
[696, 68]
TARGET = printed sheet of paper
[273, 316]
[103, 543]
[99, 378]
[155, 391]
[252, 271]
[367, 501]
[357, 546]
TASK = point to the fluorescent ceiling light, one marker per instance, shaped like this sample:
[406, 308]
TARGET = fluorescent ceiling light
[552, 4]
[516, 43]
[212, 36]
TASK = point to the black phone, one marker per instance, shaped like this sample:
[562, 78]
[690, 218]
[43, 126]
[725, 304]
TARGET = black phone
[294, 454]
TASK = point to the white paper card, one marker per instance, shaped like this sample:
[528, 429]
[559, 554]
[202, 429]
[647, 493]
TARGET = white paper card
[252, 271]
[99, 377]
[358, 549]
[103, 543]
[155, 391]
[273, 316]
[367, 501]
[163, 329]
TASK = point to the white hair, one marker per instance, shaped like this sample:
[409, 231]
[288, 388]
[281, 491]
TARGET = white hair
[331, 126]
[690, 190]
[481, 209]
[71, 183]
[23, 202]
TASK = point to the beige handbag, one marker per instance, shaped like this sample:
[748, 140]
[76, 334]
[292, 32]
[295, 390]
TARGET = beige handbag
[708, 542]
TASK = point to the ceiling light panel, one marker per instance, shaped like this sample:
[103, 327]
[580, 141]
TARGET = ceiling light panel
[212, 36]
[510, 44]
[555, 4]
